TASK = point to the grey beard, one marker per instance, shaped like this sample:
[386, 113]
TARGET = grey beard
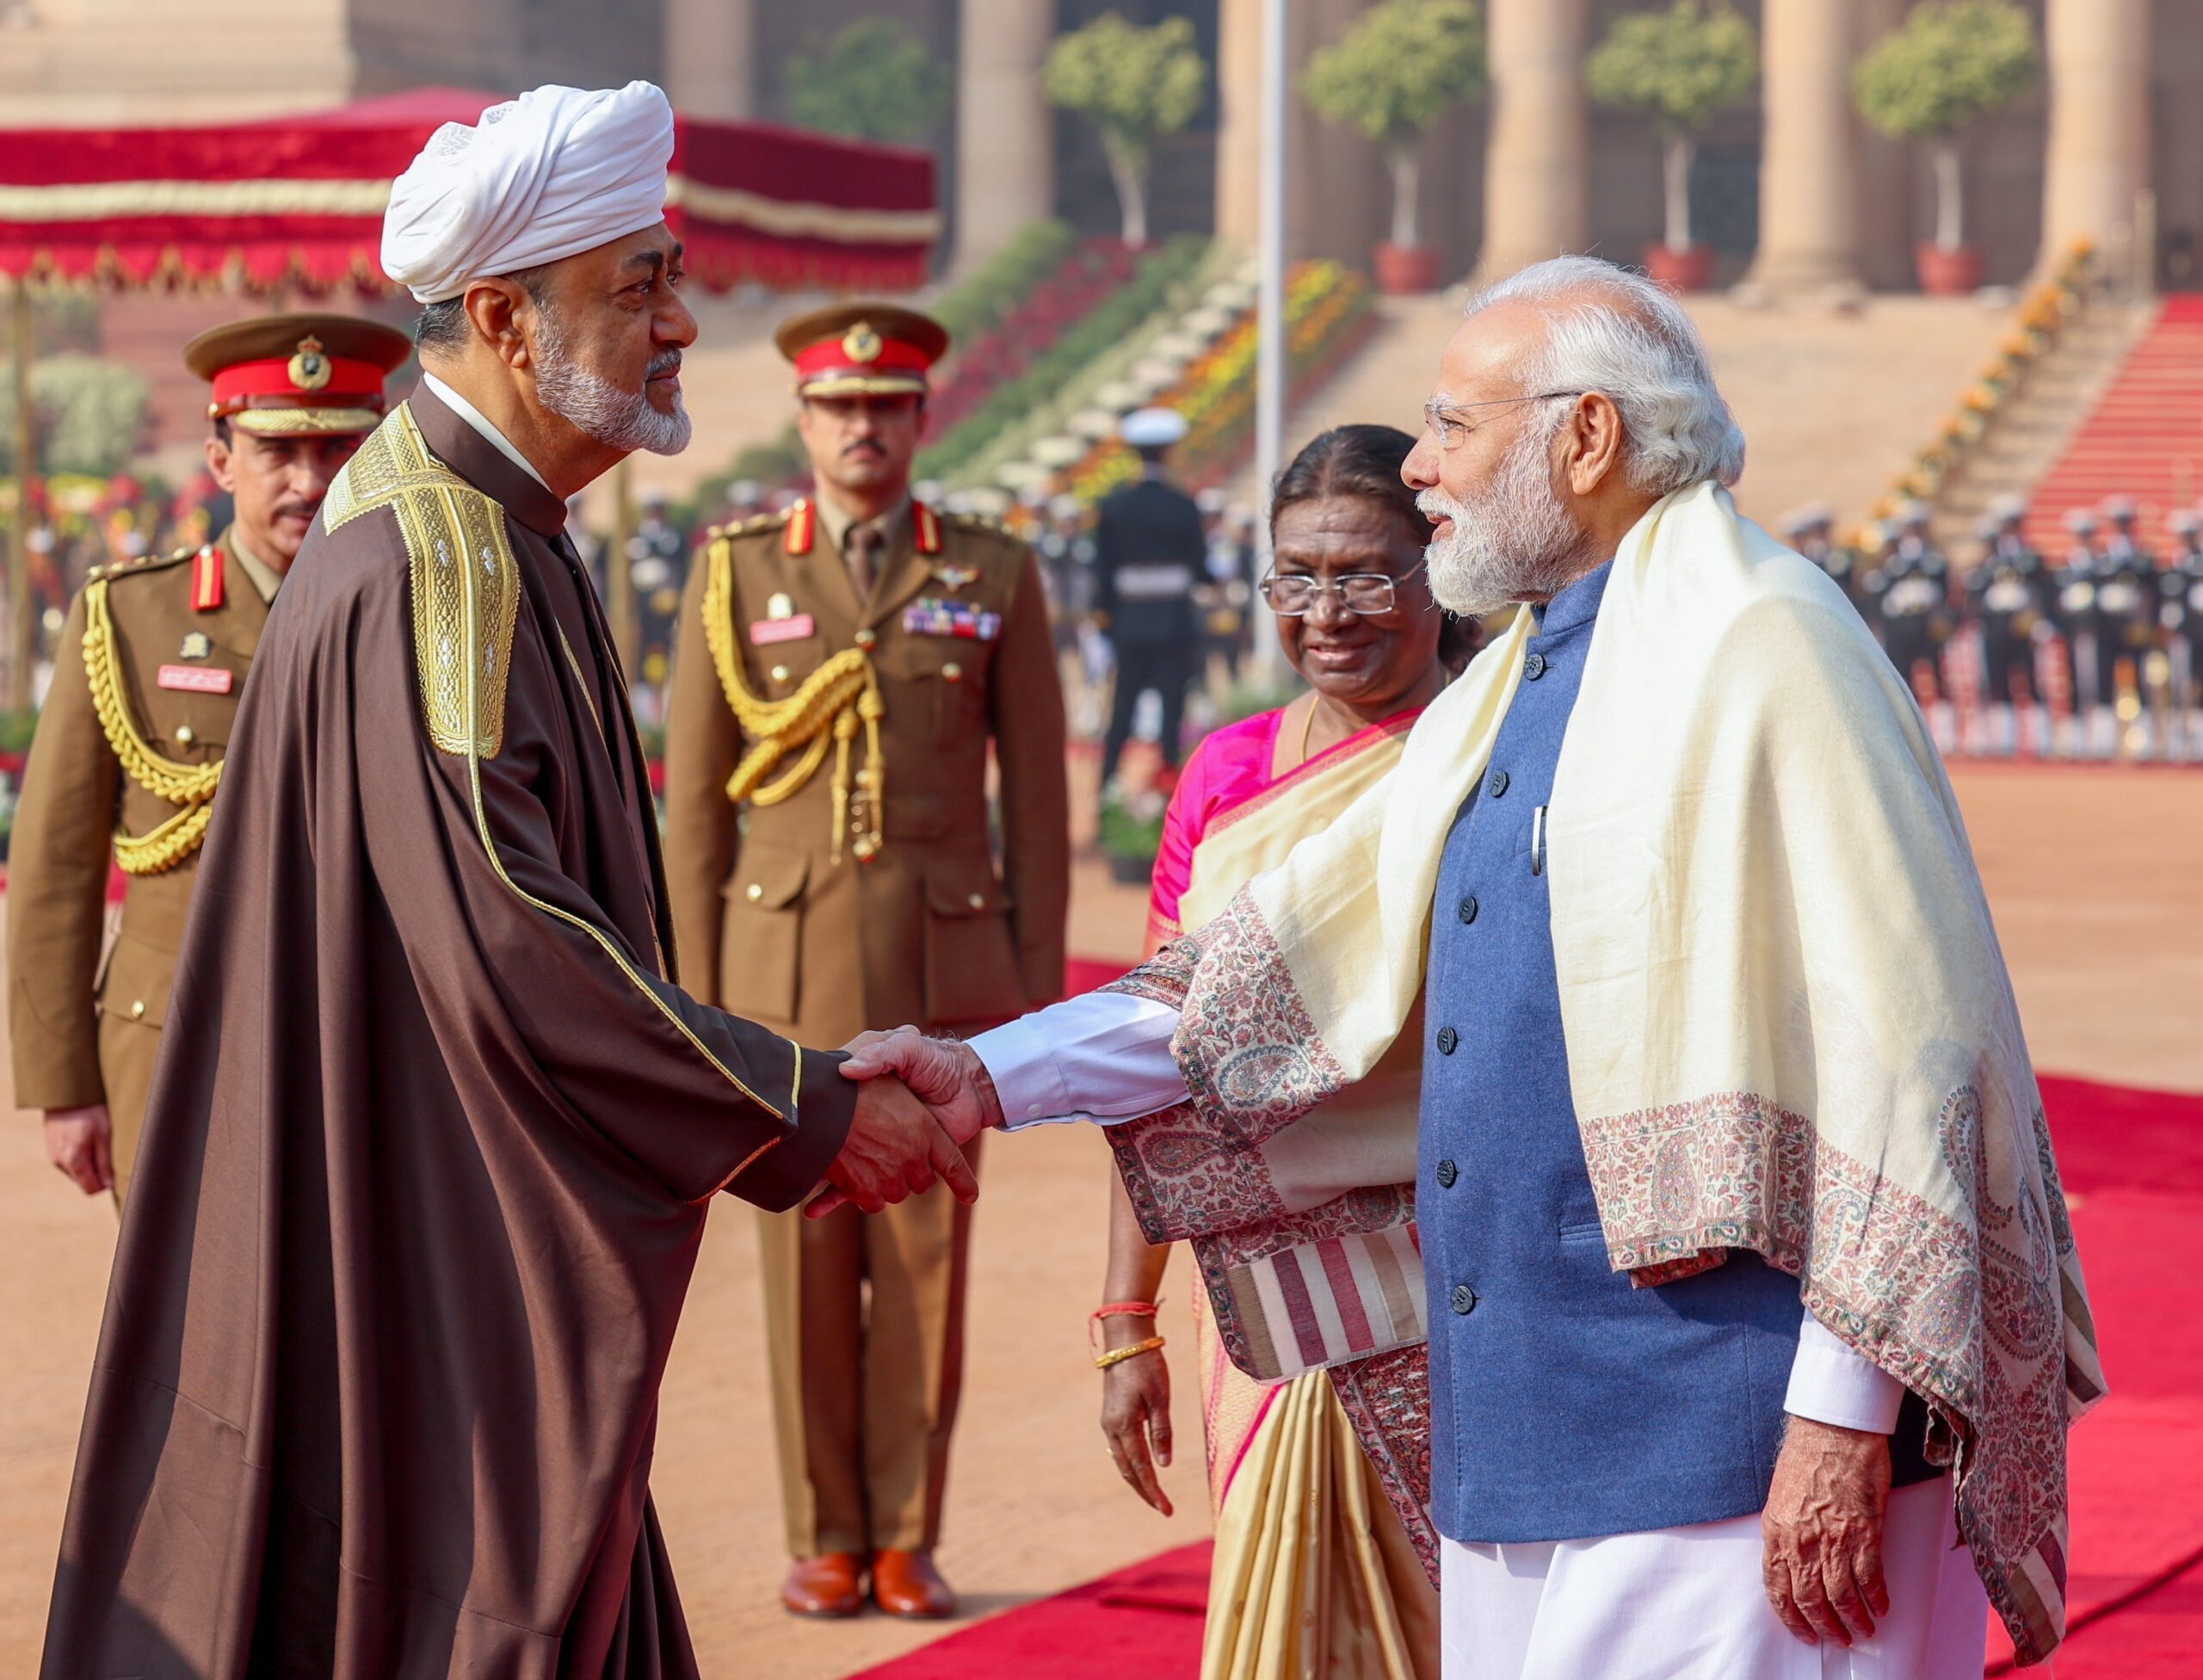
[1513, 542]
[592, 404]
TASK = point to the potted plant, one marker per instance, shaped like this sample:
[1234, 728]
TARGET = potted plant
[1131, 830]
[1134, 85]
[1684, 66]
[874, 81]
[1391, 75]
[1946, 63]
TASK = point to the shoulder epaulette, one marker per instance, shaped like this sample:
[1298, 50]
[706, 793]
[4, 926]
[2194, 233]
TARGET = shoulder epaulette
[755, 522]
[113, 569]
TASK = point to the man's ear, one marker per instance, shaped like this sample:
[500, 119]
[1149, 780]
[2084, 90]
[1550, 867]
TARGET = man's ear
[495, 305]
[218, 463]
[1594, 446]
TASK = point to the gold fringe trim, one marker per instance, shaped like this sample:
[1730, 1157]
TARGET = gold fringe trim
[190, 785]
[834, 700]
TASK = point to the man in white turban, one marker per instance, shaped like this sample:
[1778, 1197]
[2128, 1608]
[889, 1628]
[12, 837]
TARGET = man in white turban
[427, 1158]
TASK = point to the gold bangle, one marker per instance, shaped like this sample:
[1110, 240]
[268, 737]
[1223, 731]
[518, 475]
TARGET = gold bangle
[1117, 1356]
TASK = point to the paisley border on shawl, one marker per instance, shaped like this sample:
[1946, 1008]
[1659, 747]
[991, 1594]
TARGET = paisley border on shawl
[1386, 1398]
[1969, 1318]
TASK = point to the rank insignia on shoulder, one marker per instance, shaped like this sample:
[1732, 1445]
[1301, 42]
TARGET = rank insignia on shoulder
[196, 645]
[931, 616]
[955, 578]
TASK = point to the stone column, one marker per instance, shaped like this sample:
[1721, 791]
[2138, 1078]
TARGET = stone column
[1005, 127]
[1537, 168]
[1809, 153]
[711, 58]
[2099, 145]
[1239, 121]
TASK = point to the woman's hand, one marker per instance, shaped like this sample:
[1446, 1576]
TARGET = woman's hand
[1136, 1414]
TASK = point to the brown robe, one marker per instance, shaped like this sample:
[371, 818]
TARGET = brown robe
[430, 1144]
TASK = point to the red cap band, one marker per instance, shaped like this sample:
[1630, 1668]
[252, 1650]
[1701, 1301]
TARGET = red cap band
[827, 356]
[350, 385]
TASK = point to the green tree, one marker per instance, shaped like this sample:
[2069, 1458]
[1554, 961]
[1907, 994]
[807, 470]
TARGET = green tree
[1684, 66]
[874, 81]
[1391, 75]
[1946, 63]
[91, 414]
[1134, 85]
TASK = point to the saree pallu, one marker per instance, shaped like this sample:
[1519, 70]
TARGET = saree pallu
[1316, 1573]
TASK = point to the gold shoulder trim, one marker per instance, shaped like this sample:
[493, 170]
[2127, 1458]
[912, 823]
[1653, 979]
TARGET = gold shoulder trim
[113, 569]
[750, 526]
[464, 580]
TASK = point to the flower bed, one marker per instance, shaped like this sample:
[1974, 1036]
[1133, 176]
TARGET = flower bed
[2036, 324]
[1327, 315]
[1072, 290]
[1031, 362]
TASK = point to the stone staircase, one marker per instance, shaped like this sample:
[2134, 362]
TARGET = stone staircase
[2027, 437]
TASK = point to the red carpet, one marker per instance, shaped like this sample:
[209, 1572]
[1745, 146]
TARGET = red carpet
[2132, 1163]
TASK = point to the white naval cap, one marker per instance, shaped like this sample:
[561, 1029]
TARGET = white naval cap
[556, 172]
[1152, 428]
[2006, 509]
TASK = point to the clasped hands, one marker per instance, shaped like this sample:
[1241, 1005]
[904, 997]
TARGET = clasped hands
[922, 1100]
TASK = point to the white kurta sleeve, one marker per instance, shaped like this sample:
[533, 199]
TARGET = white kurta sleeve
[1831, 1384]
[1104, 1056]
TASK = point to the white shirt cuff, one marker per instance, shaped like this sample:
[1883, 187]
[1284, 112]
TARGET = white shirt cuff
[1103, 1057]
[1831, 1384]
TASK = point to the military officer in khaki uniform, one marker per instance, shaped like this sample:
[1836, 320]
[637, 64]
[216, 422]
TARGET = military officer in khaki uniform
[128, 753]
[840, 669]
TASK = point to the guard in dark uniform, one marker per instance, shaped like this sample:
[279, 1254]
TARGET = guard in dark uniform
[844, 669]
[2180, 588]
[1811, 531]
[658, 561]
[2006, 595]
[2078, 613]
[1911, 598]
[2126, 601]
[1149, 553]
[127, 757]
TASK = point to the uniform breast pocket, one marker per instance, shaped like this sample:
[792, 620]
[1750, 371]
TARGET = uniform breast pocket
[192, 727]
[783, 667]
[971, 971]
[761, 950]
[949, 675]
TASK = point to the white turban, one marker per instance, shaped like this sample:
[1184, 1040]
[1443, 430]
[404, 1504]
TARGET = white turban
[556, 172]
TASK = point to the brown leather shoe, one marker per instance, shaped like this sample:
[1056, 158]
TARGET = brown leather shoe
[829, 1586]
[907, 1584]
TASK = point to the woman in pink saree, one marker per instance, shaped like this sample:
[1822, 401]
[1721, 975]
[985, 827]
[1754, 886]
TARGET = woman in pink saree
[1317, 1474]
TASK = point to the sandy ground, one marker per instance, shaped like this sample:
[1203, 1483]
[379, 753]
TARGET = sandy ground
[2095, 880]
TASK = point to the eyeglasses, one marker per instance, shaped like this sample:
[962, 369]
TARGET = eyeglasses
[1439, 415]
[1364, 594]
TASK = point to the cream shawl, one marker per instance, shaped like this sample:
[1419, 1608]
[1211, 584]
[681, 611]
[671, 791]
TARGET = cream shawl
[1788, 1024]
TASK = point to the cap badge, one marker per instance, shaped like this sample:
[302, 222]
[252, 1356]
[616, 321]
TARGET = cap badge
[309, 369]
[861, 343]
[196, 645]
[779, 606]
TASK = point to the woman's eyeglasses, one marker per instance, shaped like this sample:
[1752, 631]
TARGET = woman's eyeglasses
[1365, 594]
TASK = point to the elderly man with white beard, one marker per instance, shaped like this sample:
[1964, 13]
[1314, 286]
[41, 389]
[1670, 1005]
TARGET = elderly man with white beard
[1756, 1323]
[434, 1130]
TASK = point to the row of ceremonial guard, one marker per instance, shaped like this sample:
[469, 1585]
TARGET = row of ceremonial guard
[2109, 635]
[848, 668]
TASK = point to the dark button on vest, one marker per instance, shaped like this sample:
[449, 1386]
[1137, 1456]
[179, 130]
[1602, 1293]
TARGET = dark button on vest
[1497, 786]
[1465, 1300]
[1534, 666]
[1469, 909]
[1448, 1038]
[1447, 1173]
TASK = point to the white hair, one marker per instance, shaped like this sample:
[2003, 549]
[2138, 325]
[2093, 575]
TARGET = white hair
[1625, 336]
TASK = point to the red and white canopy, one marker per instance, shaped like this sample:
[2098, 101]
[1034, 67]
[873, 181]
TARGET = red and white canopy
[298, 202]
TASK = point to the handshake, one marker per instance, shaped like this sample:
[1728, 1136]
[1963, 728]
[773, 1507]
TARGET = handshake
[922, 1100]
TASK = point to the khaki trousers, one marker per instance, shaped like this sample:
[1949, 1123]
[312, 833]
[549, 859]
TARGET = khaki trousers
[864, 1327]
